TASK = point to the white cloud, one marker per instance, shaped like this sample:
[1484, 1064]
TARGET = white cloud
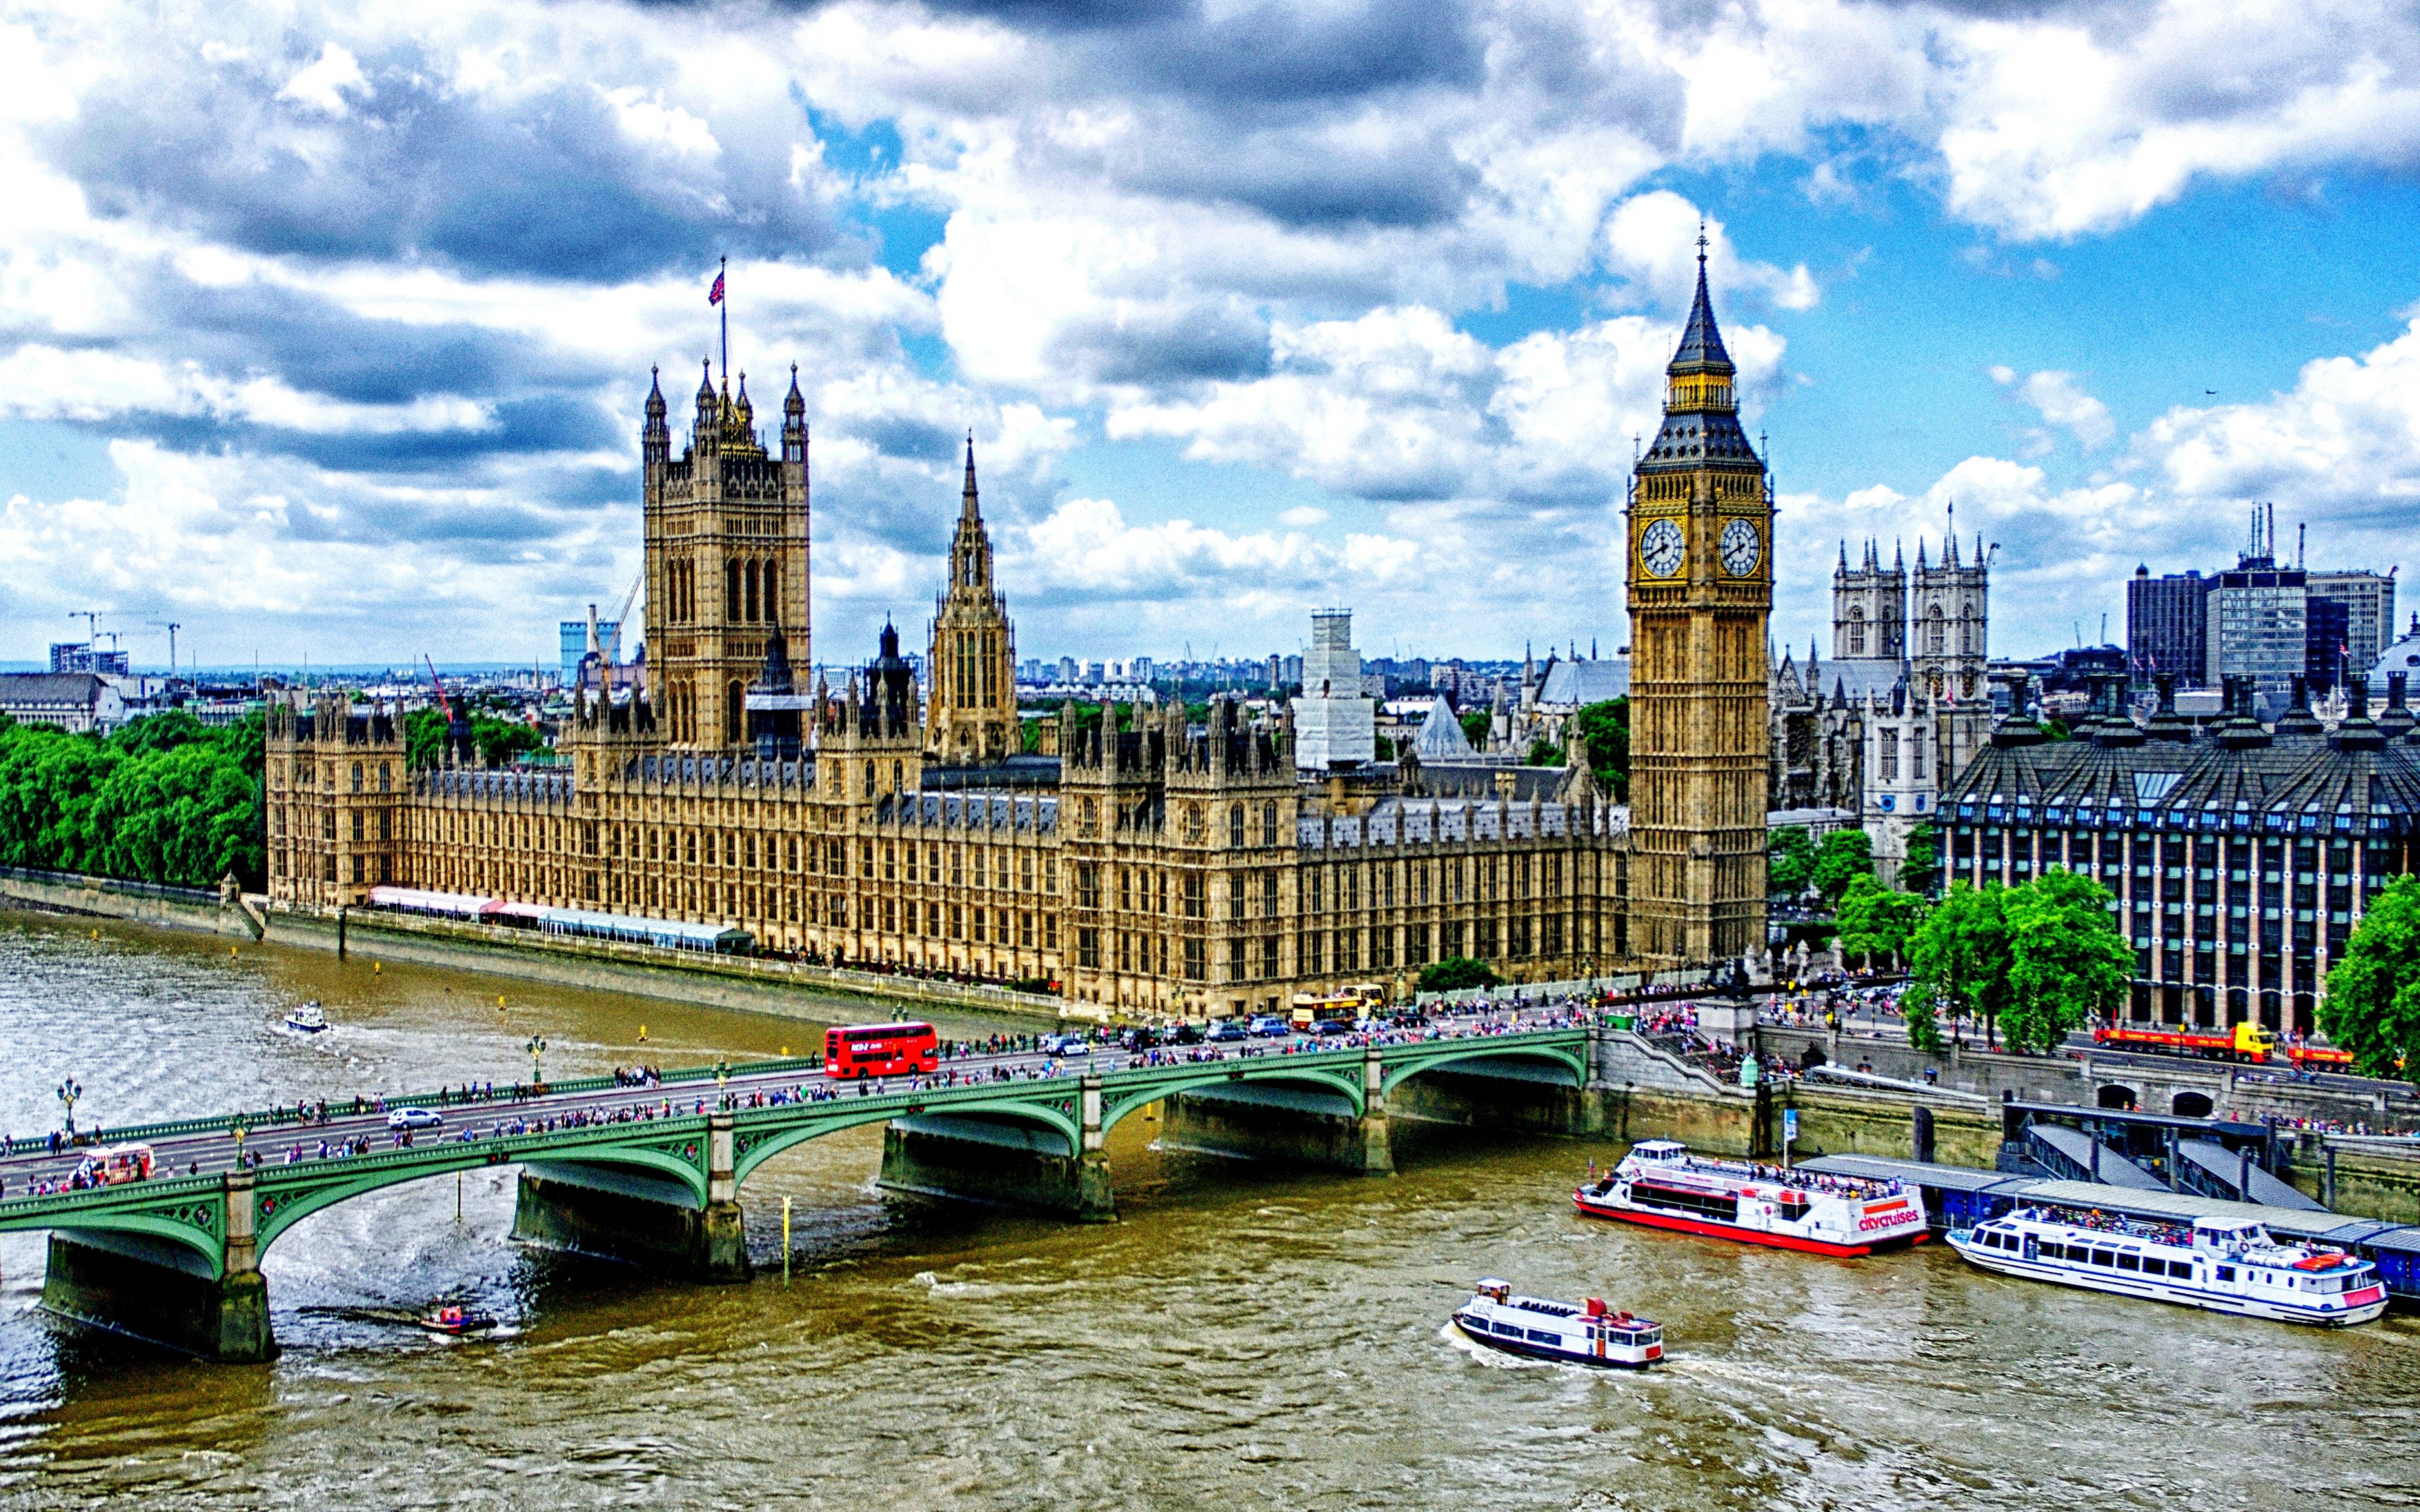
[2062, 402]
[324, 84]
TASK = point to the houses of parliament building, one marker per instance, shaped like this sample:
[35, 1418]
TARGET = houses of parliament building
[1144, 862]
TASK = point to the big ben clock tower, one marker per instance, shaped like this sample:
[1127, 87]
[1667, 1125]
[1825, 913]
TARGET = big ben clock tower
[1700, 570]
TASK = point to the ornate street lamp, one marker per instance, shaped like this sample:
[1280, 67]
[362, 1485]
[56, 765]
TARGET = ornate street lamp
[536, 1048]
[69, 1091]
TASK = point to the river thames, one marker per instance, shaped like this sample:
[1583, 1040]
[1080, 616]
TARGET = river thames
[1243, 1338]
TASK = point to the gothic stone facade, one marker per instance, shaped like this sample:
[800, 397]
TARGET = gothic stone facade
[1884, 727]
[1167, 868]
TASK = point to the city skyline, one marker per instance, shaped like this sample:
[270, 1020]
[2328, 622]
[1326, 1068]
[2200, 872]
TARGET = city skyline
[243, 381]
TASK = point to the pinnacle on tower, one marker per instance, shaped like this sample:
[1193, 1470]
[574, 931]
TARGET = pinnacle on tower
[968, 508]
[1702, 340]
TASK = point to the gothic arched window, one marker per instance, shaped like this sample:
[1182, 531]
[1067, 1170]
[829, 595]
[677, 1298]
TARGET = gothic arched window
[735, 704]
[773, 592]
[1235, 825]
[752, 600]
[1268, 824]
[1856, 630]
[731, 592]
[1933, 630]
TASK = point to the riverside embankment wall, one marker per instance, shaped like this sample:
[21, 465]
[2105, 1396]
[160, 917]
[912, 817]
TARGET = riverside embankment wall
[143, 902]
[746, 983]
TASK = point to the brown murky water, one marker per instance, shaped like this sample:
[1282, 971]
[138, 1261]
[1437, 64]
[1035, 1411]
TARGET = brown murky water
[1243, 1339]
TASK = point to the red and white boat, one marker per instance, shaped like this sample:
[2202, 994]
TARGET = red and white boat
[1659, 1184]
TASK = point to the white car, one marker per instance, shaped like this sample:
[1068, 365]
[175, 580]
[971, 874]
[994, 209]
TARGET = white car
[414, 1118]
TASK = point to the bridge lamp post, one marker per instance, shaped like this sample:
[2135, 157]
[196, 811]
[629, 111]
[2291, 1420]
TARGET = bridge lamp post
[722, 1079]
[69, 1091]
[240, 1133]
[536, 1048]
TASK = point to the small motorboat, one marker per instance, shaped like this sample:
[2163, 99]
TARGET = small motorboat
[306, 1018]
[454, 1318]
[1536, 1328]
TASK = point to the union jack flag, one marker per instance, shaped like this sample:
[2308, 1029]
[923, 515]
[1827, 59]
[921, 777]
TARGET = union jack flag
[714, 295]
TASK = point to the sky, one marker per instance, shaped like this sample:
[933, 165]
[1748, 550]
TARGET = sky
[325, 330]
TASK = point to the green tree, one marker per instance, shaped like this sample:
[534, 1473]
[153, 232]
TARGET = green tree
[1958, 958]
[1476, 724]
[1545, 753]
[1875, 922]
[494, 741]
[2372, 1007]
[1788, 860]
[1457, 972]
[1604, 732]
[1920, 871]
[2065, 959]
[1844, 853]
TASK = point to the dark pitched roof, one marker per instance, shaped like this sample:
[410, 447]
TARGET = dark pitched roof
[1701, 341]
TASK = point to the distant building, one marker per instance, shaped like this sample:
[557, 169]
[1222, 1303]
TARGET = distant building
[1334, 723]
[2327, 624]
[2167, 624]
[2368, 600]
[79, 657]
[574, 634]
[75, 701]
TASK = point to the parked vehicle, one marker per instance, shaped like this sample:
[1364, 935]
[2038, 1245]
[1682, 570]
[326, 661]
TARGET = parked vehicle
[416, 1118]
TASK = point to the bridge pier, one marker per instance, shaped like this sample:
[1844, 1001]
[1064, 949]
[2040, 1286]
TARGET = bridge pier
[640, 1219]
[1279, 1121]
[1003, 1162]
[163, 1292]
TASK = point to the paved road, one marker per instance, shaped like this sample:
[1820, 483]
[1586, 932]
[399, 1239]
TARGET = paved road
[270, 1144]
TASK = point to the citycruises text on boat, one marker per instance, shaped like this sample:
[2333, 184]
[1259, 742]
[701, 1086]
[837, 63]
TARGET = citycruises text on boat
[2226, 1265]
[1660, 1184]
[1537, 1329]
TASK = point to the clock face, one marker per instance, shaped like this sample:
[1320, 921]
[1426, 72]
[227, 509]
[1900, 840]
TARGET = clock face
[1660, 547]
[1742, 550]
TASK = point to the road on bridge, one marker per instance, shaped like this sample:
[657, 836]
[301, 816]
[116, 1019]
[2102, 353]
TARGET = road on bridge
[278, 1139]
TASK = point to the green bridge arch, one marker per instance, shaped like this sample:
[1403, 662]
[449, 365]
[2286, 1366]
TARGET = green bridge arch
[754, 1143]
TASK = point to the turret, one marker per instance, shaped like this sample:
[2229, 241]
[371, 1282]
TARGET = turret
[655, 435]
[794, 422]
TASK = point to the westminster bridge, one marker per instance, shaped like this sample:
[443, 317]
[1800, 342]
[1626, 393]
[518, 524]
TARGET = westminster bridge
[651, 1173]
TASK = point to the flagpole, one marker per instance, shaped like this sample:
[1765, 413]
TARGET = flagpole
[722, 281]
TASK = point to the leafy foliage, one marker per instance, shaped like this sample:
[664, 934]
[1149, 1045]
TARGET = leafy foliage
[1545, 753]
[1920, 873]
[165, 799]
[2031, 960]
[1959, 956]
[1788, 860]
[1604, 732]
[1476, 723]
[1845, 853]
[496, 741]
[1457, 972]
[2065, 958]
[1876, 922]
[2372, 1008]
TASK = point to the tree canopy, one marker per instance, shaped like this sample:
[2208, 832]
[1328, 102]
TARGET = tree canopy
[1845, 853]
[1788, 860]
[165, 799]
[1457, 972]
[2032, 961]
[496, 741]
[1874, 920]
[1545, 753]
[1603, 731]
[1920, 871]
[2372, 1007]
[1476, 724]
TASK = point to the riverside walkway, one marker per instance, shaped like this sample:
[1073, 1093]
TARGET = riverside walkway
[651, 1172]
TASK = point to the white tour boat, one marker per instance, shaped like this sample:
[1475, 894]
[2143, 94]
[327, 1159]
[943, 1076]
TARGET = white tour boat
[1659, 1184]
[1540, 1330]
[2226, 1265]
[306, 1018]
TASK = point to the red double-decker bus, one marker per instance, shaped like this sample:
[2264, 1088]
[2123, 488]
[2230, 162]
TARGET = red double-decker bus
[880, 1050]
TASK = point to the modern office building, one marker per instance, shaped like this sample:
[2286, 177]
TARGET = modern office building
[2167, 626]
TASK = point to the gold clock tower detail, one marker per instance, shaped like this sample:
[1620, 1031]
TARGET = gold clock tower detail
[1701, 571]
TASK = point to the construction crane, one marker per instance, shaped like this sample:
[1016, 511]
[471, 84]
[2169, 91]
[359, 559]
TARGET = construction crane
[439, 684]
[91, 618]
[622, 616]
[172, 626]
